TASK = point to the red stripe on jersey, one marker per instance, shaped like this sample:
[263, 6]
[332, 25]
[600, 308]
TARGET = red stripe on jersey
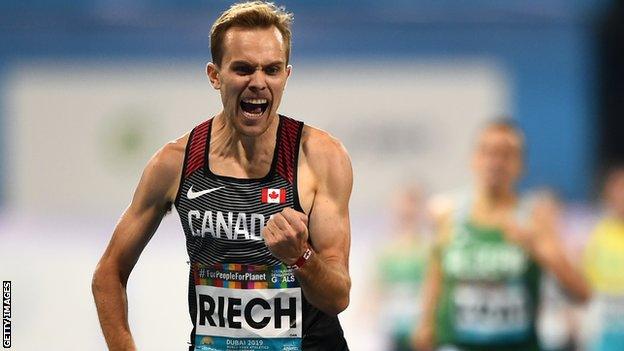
[288, 149]
[197, 148]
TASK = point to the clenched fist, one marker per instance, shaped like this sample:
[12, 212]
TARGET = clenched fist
[286, 235]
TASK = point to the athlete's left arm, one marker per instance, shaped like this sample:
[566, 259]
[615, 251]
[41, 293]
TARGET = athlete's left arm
[541, 239]
[325, 277]
[549, 253]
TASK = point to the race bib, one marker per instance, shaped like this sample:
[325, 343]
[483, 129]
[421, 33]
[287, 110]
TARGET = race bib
[247, 308]
[491, 313]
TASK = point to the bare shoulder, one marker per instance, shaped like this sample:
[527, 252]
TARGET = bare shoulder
[441, 209]
[171, 155]
[323, 152]
[163, 171]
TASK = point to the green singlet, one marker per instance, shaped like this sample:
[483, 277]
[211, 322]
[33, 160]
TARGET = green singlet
[489, 292]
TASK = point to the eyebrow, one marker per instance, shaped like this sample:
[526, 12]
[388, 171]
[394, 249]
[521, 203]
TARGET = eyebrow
[242, 62]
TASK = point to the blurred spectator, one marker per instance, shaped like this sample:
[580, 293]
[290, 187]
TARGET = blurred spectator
[401, 266]
[604, 265]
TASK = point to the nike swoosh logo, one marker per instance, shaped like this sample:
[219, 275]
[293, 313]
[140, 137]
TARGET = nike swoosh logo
[191, 194]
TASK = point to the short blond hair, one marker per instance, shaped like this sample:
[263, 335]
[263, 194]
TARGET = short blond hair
[251, 14]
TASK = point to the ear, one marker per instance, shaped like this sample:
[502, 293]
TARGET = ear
[212, 71]
[288, 71]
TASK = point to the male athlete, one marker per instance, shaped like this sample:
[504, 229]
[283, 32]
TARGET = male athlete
[482, 288]
[401, 265]
[604, 265]
[263, 202]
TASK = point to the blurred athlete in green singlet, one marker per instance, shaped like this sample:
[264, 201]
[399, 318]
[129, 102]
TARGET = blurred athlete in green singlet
[482, 285]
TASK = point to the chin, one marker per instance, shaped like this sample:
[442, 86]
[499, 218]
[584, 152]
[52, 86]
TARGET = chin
[253, 127]
[497, 187]
[250, 131]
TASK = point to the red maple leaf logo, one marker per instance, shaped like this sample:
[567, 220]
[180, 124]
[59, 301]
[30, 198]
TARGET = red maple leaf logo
[274, 195]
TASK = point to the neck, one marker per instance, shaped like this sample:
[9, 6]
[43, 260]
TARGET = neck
[495, 198]
[229, 142]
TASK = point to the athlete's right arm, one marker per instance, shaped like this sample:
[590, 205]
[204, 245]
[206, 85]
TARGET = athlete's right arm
[424, 337]
[152, 198]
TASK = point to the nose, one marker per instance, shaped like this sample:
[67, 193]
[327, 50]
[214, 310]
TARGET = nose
[257, 81]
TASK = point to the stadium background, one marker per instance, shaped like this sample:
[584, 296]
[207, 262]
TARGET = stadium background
[90, 90]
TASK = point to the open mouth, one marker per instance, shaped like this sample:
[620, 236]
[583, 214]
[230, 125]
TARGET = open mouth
[254, 108]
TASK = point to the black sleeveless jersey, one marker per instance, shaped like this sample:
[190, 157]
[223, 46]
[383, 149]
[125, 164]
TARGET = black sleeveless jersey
[240, 296]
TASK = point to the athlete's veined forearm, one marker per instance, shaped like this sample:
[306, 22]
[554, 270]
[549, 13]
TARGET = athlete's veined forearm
[326, 287]
[111, 301]
[132, 233]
